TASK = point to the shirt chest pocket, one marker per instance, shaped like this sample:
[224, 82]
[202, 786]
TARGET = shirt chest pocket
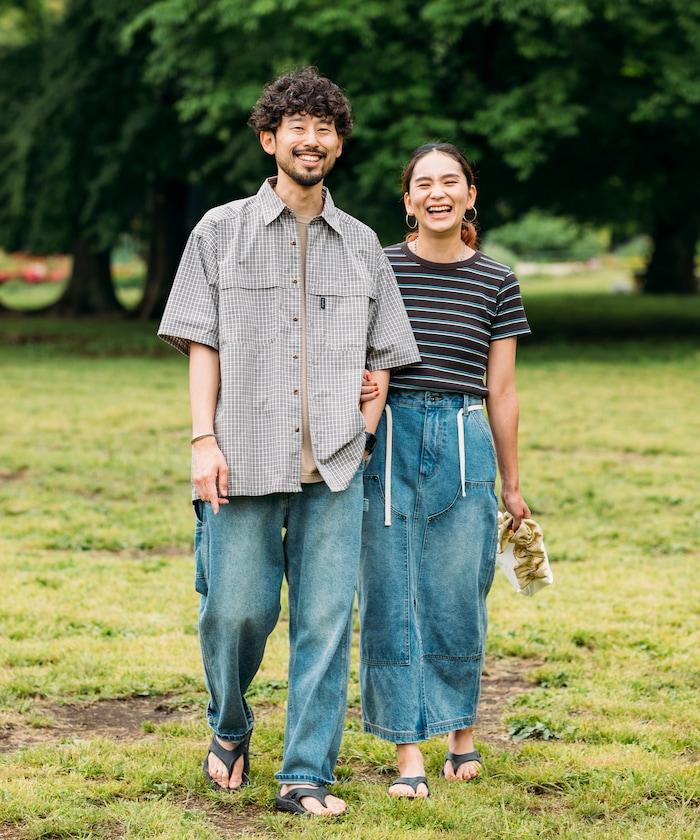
[249, 306]
[339, 312]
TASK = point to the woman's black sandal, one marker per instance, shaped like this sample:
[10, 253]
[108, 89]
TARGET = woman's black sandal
[458, 759]
[291, 801]
[412, 782]
[229, 758]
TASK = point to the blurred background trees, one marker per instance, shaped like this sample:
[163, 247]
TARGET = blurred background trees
[129, 117]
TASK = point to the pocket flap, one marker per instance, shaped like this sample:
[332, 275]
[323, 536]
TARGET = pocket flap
[358, 285]
[246, 276]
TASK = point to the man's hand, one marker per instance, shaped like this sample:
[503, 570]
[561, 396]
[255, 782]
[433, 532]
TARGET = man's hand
[370, 388]
[210, 473]
[514, 503]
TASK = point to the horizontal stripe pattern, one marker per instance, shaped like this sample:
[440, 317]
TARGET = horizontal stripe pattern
[456, 310]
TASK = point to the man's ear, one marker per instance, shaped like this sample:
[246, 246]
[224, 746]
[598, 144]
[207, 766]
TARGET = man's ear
[267, 141]
[340, 146]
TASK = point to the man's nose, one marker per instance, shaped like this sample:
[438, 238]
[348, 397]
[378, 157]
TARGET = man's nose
[311, 138]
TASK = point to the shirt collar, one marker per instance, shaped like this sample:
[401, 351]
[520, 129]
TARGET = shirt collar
[272, 205]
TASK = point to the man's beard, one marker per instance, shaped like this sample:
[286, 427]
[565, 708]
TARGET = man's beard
[306, 179]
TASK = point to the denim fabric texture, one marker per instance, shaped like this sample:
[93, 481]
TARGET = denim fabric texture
[423, 581]
[240, 560]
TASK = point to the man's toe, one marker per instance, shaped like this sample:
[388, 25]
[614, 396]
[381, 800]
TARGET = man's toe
[236, 774]
[217, 771]
[335, 806]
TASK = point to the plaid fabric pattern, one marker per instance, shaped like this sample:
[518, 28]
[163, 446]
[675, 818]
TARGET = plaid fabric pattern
[237, 290]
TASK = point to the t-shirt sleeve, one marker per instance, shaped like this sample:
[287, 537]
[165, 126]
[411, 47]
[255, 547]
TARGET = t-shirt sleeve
[390, 341]
[192, 310]
[510, 318]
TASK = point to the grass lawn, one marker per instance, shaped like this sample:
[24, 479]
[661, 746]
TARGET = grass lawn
[98, 602]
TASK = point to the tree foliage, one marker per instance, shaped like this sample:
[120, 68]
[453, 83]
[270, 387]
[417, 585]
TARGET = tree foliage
[584, 108]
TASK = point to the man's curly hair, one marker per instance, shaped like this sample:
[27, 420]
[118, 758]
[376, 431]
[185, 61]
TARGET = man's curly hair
[304, 91]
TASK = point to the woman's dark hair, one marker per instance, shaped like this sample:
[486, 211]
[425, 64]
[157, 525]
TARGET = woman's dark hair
[303, 91]
[469, 234]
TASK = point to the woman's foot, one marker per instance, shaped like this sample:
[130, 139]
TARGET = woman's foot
[459, 742]
[218, 771]
[334, 805]
[410, 760]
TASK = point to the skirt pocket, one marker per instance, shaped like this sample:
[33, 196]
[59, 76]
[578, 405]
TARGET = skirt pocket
[455, 573]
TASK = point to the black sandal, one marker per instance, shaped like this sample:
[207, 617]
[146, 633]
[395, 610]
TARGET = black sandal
[229, 758]
[412, 782]
[291, 801]
[458, 759]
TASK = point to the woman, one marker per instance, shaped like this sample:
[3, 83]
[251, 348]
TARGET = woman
[430, 522]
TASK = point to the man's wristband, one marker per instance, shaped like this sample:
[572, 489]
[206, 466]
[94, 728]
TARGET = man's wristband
[201, 437]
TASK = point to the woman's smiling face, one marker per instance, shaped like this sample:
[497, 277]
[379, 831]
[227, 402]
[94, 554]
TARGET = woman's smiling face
[439, 194]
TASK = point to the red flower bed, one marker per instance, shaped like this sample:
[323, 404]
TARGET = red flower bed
[30, 269]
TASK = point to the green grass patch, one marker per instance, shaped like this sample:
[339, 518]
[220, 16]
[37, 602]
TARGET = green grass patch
[98, 602]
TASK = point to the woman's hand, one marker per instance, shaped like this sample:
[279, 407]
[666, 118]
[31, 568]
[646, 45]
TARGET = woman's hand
[370, 388]
[210, 472]
[514, 503]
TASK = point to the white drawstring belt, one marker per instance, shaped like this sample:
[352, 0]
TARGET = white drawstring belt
[387, 466]
[460, 439]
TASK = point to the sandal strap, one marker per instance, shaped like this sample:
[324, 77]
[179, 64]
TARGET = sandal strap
[411, 781]
[458, 759]
[317, 793]
[229, 757]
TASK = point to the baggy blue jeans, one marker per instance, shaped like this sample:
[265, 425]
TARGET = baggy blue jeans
[424, 580]
[240, 560]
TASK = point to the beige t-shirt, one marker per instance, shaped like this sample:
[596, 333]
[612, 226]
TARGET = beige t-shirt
[309, 470]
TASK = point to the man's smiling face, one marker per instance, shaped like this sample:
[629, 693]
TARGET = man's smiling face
[305, 147]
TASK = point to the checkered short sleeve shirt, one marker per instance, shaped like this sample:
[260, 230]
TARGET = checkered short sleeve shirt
[237, 289]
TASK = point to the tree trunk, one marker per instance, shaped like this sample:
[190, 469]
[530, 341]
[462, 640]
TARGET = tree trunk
[675, 233]
[168, 236]
[90, 290]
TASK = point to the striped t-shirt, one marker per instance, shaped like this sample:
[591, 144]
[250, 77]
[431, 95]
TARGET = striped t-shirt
[456, 310]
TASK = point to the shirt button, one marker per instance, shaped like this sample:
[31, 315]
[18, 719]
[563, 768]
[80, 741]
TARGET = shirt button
[296, 429]
[295, 356]
[296, 391]
[293, 242]
[294, 318]
[294, 280]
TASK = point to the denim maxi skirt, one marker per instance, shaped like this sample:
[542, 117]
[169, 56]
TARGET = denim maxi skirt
[424, 578]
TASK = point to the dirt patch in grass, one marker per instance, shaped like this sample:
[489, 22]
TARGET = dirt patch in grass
[130, 718]
[503, 679]
[13, 475]
[9, 832]
[234, 820]
[121, 720]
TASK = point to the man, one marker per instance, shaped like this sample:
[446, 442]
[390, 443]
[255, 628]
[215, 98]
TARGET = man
[280, 301]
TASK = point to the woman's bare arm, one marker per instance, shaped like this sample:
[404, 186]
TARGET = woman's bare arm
[503, 409]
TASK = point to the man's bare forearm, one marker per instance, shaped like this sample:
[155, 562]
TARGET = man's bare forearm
[204, 387]
[372, 410]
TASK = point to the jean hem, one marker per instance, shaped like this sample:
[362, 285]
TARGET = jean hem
[291, 779]
[231, 736]
[398, 736]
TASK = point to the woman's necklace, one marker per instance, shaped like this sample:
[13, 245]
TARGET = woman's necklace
[465, 251]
